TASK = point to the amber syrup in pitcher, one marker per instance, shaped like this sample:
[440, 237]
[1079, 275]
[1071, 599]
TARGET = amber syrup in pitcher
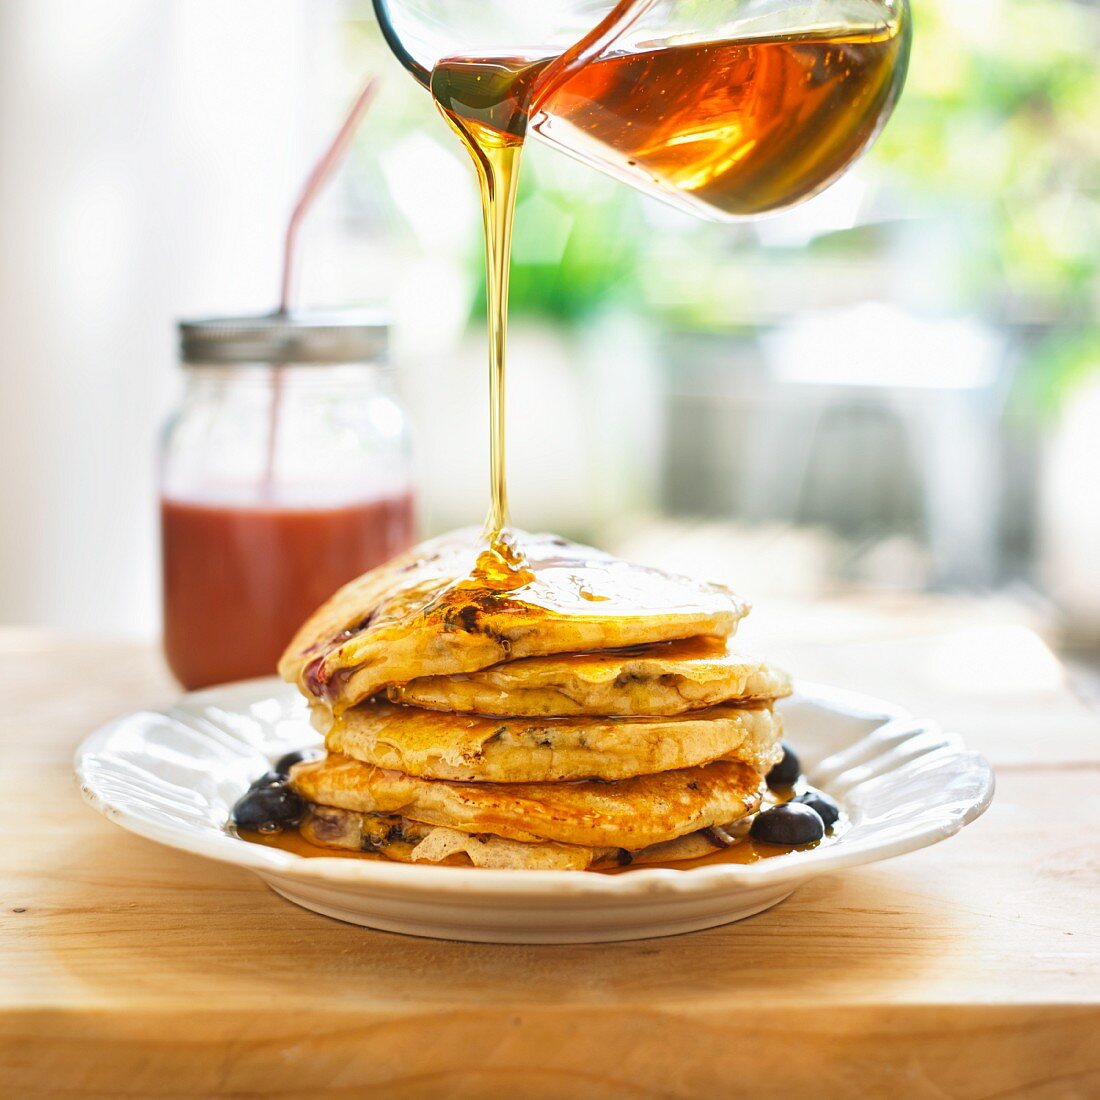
[739, 127]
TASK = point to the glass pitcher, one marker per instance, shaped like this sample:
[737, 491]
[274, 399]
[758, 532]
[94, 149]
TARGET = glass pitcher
[726, 108]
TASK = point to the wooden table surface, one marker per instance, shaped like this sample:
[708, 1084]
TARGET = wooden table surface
[970, 969]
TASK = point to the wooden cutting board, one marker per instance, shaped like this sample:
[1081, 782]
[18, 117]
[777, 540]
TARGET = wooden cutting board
[971, 969]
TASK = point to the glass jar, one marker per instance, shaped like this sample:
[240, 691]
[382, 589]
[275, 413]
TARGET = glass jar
[284, 473]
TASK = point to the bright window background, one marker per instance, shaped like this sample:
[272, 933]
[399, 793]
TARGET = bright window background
[892, 387]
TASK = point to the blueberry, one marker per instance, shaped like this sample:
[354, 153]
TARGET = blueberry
[790, 825]
[826, 808]
[787, 771]
[268, 779]
[285, 763]
[268, 809]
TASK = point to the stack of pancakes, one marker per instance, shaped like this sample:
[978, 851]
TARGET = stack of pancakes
[581, 711]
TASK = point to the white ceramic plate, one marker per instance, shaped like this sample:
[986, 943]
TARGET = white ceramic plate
[173, 775]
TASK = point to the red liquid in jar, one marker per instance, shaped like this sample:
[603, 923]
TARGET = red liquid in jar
[239, 580]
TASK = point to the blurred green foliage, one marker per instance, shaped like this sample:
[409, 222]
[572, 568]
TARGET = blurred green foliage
[575, 250]
[1000, 120]
[1001, 116]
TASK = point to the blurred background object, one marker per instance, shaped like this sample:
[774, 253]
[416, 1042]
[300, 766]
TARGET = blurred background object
[895, 386]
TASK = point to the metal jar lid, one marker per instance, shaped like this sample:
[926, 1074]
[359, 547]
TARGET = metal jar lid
[344, 337]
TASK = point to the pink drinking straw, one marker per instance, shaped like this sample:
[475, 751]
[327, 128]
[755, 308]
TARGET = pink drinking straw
[322, 172]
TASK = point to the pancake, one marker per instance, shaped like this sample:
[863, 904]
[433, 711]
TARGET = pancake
[631, 814]
[405, 841]
[668, 678]
[429, 612]
[475, 748]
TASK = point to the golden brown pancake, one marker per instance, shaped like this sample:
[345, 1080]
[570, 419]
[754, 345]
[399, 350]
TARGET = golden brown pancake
[471, 747]
[427, 613]
[405, 841]
[667, 678]
[630, 814]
